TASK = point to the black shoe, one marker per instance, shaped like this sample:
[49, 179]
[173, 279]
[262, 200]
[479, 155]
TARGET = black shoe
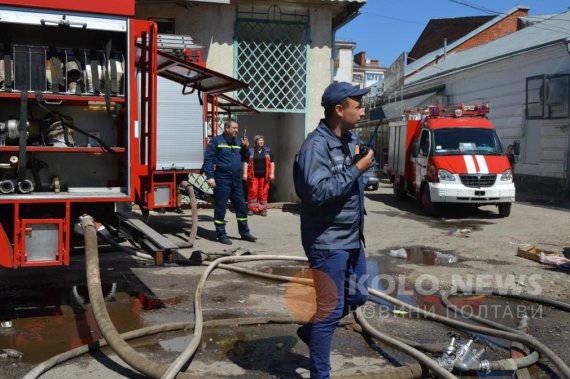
[178, 210]
[304, 335]
[248, 237]
[225, 241]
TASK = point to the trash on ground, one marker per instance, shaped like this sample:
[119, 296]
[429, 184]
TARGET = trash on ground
[516, 244]
[10, 354]
[463, 232]
[6, 324]
[399, 253]
[400, 312]
[533, 253]
[444, 258]
[553, 260]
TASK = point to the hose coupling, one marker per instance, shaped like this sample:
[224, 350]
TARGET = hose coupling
[7, 186]
[26, 186]
[485, 366]
[86, 220]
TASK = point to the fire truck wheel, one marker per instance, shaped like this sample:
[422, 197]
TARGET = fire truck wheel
[425, 202]
[505, 209]
[398, 191]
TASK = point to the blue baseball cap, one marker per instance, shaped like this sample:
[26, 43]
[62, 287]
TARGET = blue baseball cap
[337, 92]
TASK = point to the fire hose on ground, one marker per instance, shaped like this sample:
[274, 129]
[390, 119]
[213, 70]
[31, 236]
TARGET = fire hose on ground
[142, 364]
[137, 361]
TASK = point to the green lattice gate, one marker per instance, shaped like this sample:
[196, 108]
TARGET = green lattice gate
[272, 56]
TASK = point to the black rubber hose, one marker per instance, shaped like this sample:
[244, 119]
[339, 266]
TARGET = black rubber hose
[107, 237]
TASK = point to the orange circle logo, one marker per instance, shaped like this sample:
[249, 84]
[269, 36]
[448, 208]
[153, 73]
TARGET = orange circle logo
[301, 298]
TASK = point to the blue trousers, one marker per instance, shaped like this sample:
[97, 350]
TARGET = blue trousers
[346, 268]
[229, 188]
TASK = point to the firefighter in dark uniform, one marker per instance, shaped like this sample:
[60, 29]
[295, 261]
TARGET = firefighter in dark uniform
[223, 167]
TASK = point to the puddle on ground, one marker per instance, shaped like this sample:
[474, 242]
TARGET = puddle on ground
[46, 320]
[268, 350]
[289, 270]
[422, 255]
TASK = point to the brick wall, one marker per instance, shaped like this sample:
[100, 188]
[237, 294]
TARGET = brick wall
[502, 28]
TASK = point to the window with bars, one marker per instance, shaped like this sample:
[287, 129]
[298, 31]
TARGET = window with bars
[548, 97]
[271, 56]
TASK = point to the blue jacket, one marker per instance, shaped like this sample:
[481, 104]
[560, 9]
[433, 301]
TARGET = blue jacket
[331, 192]
[224, 157]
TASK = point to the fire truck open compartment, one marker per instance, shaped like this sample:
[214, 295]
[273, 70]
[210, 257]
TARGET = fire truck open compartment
[70, 73]
[92, 160]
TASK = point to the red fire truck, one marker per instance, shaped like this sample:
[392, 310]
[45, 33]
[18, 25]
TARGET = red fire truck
[449, 155]
[79, 130]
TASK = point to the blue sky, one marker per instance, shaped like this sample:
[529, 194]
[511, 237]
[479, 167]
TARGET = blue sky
[386, 28]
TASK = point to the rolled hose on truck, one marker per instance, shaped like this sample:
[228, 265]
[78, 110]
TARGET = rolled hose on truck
[152, 369]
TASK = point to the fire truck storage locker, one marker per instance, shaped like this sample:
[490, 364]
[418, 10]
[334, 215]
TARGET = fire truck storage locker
[74, 147]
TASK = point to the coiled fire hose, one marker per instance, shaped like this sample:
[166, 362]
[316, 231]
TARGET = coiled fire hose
[149, 368]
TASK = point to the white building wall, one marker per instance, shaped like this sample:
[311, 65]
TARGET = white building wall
[544, 143]
[344, 70]
[319, 63]
[283, 134]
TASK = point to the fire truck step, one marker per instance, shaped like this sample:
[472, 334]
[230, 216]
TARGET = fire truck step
[135, 221]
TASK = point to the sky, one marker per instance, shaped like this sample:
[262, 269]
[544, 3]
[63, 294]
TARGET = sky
[386, 28]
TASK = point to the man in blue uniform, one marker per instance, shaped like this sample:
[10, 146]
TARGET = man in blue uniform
[223, 167]
[327, 176]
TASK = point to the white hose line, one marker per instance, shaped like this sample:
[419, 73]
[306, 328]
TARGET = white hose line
[190, 350]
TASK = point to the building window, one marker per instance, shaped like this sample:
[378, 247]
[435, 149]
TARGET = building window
[272, 56]
[548, 97]
[165, 25]
[373, 77]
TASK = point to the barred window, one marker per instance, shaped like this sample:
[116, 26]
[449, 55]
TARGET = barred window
[557, 88]
[548, 96]
[271, 56]
[535, 97]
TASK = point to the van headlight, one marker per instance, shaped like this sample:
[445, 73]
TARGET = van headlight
[507, 176]
[445, 176]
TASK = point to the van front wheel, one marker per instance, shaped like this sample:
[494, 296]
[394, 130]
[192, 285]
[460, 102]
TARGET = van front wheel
[505, 209]
[429, 208]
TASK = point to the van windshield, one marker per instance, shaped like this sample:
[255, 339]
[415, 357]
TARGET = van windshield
[466, 141]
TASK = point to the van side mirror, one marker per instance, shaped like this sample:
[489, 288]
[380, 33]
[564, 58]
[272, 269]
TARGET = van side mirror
[517, 147]
[415, 149]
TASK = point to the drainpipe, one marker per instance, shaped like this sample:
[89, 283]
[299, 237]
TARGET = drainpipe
[444, 48]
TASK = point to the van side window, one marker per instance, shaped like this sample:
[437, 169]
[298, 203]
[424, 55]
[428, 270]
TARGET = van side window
[424, 144]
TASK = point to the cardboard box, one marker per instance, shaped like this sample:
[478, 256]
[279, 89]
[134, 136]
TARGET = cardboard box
[533, 253]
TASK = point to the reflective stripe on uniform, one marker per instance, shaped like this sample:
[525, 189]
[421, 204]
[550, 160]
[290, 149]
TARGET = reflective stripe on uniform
[242, 219]
[229, 147]
[219, 222]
